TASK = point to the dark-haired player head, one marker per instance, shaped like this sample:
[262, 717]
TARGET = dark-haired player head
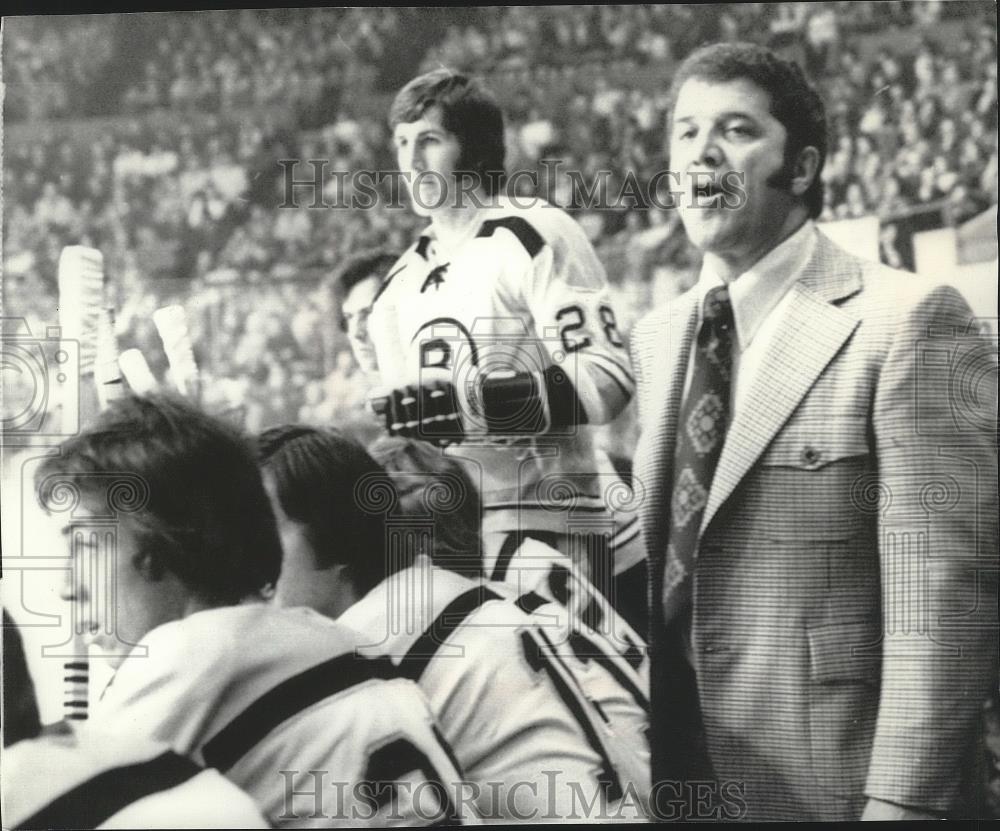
[435, 490]
[448, 134]
[356, 284]
[183, 496]
[355, 541]
[325, 490]
[747, 132]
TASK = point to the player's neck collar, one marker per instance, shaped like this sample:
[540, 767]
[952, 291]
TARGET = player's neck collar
[453, 229]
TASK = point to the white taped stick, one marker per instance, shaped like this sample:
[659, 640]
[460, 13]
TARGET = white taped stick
[107, 374]
[171, 323]
[81, 299]
[136, 371]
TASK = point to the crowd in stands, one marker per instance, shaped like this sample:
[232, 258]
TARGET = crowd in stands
[249, 58]
[182, 188]
[522, 36]
[49, 61]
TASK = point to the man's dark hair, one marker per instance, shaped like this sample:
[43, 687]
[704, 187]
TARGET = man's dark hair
[435, 490]
[794, 101]
[20, 708]
[373, 262]
[187, 482]
[468, 110]
[328, 482]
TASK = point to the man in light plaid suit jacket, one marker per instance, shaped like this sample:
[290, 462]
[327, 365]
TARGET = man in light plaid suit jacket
[837, 624]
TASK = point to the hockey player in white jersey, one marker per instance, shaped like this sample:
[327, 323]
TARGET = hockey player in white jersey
[494, 332]
[527, 738]
[535, 573]
[70, 775]
[275, 699]
[603, 654]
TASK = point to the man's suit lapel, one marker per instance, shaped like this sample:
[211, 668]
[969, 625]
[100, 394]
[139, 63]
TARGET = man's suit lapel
[655, 456]
[813, 332]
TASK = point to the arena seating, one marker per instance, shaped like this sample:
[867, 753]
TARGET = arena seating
[157, 139]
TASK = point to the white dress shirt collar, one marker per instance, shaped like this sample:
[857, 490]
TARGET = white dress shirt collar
[756, 292]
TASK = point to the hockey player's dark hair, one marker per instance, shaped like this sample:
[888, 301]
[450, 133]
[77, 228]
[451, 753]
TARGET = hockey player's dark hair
[469, 111]
[20, 708]
[794, 101]
[187, 483]
[435, 489]
[373, 262]
[326, 480]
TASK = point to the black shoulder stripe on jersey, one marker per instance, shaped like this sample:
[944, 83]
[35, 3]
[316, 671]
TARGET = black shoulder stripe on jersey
[520, 228]
[422, 245]
[288, 698]
[506, 506]
[385, 284]
[592, 613]
[585, 649]
[530, 602]
[424, 649]
[512, 542]
[628, 532]
[391, 762]
[634, 655]
[559, 584]
[608, 776]
[448, 750]
[95, 801]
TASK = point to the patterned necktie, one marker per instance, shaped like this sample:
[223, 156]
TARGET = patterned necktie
[701, 432]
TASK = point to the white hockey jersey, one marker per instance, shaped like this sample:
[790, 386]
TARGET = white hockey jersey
[606, 655]
[528, 566]
[523, 292]
[278, 701]
[504, 697]
[88, 778]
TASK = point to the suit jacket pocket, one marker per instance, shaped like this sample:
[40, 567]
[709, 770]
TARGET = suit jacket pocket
[814, 443]
[845, 664]
[812, 482]
[850, 651]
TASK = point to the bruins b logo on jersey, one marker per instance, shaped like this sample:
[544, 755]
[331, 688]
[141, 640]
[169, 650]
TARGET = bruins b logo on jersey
[445, 343]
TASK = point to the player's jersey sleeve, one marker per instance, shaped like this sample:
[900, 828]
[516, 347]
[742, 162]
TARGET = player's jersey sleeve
[564, 287]
[317, 737]
[392, 767]
[170, 693]
[209, 800]
[606, 665]
[511, 722]
[47, 780]
[516, 733]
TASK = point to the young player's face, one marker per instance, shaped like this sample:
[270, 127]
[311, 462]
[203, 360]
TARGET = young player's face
[427, 155]
[727, 127]
[355, 310]
[116, 604]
